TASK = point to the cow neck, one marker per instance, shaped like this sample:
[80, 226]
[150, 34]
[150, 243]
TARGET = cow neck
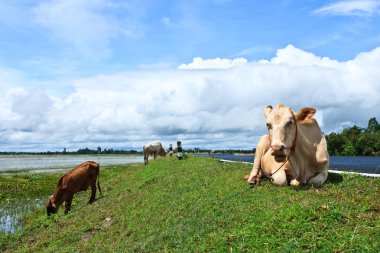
[296, 161]
[57, 197]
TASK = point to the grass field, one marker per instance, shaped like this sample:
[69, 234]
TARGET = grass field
[201, 205]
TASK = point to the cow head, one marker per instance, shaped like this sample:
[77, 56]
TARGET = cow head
[51, 207]
[162, 152]
[282, 127]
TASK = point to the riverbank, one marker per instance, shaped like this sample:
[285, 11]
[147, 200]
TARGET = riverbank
[200, 204]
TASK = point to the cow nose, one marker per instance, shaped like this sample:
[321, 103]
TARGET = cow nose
[277, 148]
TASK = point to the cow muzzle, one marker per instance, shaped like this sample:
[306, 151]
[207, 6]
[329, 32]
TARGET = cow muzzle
[278, 151]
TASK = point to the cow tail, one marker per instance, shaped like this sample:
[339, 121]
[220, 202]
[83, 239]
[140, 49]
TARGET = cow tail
[100, 191]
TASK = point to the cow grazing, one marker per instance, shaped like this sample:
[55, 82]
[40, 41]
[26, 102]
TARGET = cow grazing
[78, 179]
[153, 148]
[295, 150]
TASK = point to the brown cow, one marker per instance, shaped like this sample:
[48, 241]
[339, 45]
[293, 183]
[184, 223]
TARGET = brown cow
[78, 179]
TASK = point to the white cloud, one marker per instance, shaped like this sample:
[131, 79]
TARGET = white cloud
[204, 105]
[350, 8]
[217, 63]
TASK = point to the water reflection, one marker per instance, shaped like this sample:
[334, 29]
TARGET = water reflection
[10, 217]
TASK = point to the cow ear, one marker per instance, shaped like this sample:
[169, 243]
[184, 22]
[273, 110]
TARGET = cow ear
[305, 113]
[267, 110]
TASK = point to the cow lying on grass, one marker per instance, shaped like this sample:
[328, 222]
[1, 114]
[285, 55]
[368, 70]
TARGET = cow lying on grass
[295, 150]
[78, 179]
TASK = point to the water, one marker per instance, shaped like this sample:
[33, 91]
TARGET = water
[364, 164]
[10, 217]
[54, 163]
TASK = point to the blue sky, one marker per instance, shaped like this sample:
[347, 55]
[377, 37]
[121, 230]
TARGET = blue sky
[58, 57]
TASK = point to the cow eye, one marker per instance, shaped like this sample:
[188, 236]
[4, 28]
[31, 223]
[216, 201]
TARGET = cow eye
[289, 123]
[269, 126]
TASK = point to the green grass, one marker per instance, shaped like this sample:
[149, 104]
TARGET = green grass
[202, 205]
[19, 188]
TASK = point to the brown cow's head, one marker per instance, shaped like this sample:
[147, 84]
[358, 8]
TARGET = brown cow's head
[51, 207]
[282, 127]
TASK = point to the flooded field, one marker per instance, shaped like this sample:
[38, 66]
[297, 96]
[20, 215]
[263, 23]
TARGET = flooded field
[14, 164]
[10, 216]
[54, 163]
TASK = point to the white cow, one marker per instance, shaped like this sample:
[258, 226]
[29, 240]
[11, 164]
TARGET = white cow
[153, 148]
[295, 150]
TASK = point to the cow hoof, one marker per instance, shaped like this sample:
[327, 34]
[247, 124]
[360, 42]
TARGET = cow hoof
[295, 182]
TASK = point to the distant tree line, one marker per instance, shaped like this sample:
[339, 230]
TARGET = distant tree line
[106, 151]
[83, 151]
[355, 140]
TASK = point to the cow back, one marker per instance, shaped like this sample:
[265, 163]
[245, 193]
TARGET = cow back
[153, 147]
[80, 178]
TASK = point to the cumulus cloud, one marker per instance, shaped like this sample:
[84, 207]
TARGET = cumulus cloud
[217, 63]
[350, 8]
[200, 103]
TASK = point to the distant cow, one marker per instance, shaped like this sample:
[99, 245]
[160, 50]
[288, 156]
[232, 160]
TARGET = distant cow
[78, 179]
[153, 148]
[295, 150]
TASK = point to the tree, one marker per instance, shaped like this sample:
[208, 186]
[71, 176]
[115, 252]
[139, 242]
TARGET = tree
[356, 140]
[373, 125]
[335, 143]
[349, 149]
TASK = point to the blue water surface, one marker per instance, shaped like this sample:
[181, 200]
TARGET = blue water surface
[364, 164]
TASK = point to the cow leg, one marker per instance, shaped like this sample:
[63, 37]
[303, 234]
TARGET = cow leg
[321, 154]
[146, 156]
[318, 179]
[295, 182]
[279, 178]
[155, 155]
[68, 203]
[261, 149]
[93, 192]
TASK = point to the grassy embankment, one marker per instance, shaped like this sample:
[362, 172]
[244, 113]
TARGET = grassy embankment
[198, 205]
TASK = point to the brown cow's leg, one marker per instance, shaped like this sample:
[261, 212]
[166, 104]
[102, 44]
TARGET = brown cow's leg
[93, 192]
[68, 203]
